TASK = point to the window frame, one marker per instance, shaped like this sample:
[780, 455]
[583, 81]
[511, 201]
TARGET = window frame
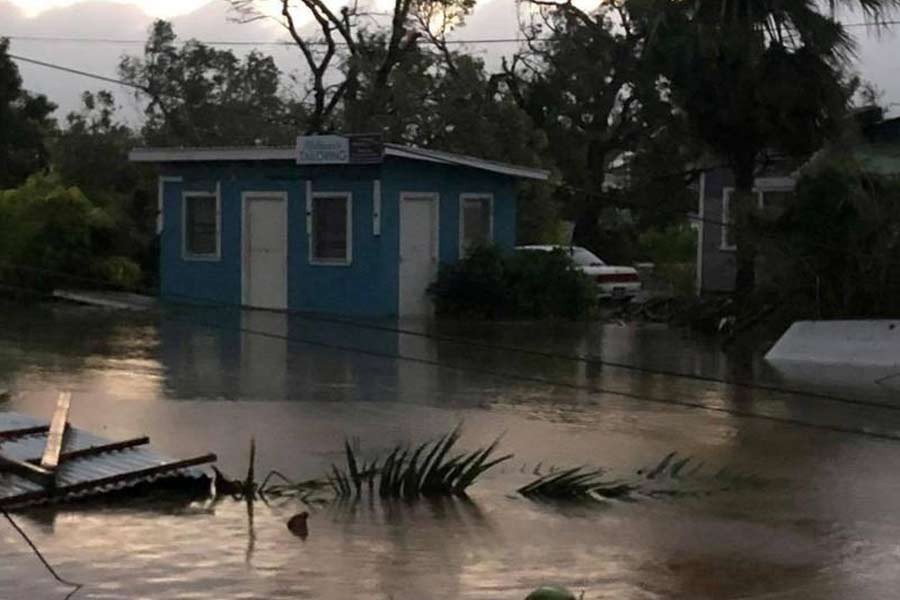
[185, 251]
[348, 238]
[462, 204]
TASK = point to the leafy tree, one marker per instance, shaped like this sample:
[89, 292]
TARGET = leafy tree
[48, 229]
[199, 95]
[91, 152]
[24, 125]
[584, 80]
[753, 79]
[835, 251]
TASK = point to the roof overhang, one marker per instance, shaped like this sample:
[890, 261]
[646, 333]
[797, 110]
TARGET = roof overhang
[289, 153]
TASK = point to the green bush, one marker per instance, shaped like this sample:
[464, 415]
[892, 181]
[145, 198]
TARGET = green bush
[518, 285]
[51, 236]
[674, 244]
[119, 271]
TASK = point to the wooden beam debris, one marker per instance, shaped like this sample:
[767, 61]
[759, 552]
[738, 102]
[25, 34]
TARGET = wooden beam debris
[58, 426]
[25, 469]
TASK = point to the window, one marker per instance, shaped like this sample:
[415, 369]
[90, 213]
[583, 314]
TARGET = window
[330, 231]
[771, 203]
[728, 242]
[475, 221]
[774, 202]
[201, 225]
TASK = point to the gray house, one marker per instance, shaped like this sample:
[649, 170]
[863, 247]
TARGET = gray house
[716, 265]
[874, 149]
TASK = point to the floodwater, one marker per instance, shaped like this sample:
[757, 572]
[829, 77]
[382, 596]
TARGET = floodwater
[822, 523]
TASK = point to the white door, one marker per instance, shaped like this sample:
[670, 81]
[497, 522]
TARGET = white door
[418, 252]
[265, 251]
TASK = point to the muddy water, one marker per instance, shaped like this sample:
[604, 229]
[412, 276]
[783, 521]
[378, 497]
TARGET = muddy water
[823, 524]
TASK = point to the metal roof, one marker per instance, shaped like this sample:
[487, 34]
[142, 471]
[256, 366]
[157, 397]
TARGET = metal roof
[94, 473]
[264, 153]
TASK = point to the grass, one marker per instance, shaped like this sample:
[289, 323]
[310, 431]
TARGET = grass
[430, 469]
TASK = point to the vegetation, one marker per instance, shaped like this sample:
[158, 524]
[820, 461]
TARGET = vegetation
[50, 234]
[673, 252]
[673, 476]
[25, 123]
[435, 469]
[834, 252]
[618, 100]
[489, 283]
[429, 469]
[753, 79]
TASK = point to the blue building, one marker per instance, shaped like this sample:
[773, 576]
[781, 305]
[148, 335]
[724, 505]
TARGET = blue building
[338, 224]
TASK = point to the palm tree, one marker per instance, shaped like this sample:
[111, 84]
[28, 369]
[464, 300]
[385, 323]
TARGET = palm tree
[754, 77]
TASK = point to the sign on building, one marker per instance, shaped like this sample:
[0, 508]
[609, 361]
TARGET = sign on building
[339, 149]
[323, 150]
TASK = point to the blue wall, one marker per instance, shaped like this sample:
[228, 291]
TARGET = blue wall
[369, 285]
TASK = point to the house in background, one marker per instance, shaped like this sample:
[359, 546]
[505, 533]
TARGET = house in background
[338, 224]
[716, 257]
[876, 151]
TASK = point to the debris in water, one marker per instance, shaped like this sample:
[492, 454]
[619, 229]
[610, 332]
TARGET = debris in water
[298, 526]
[42, 463]
[551, 592]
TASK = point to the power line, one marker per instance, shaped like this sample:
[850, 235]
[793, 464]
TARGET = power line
[289, 43]
[239, 43]
[588, 360]
[789, 421]
[75, 71]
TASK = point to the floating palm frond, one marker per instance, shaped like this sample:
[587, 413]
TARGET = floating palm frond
[671, 476]
[684, 476]
[429, 469]
[576, 483]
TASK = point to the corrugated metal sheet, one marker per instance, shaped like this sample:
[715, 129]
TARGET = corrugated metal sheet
[115, 467]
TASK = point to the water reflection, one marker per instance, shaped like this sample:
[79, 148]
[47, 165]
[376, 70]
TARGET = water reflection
[197, 380]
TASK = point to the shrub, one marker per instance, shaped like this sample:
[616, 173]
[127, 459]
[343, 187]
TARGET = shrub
[525, 284]
[50, 235]
[119, 271]
[835, 251]
[674, 244]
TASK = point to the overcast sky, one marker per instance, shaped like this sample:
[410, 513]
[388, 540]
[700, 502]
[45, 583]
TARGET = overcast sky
[879, 57]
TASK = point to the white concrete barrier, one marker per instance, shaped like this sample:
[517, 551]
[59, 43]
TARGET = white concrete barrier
[858, 342]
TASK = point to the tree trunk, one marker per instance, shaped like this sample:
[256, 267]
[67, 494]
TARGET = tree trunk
[743, 203]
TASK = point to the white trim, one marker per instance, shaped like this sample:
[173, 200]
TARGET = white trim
[245, 249]
[465, 161]
[157, 155]
[288, 153]
[376, 207]
[309, 193]
[348, 239]
[462, 201]
[726, 210]
[702, 232]
[726, 220]
[774, 184]
[161, 182]
[435, 197]
[185, 255]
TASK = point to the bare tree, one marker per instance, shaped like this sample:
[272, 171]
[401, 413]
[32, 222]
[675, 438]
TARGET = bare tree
[337, 47]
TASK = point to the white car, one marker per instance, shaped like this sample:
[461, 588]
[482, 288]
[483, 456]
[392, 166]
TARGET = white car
[612, 282]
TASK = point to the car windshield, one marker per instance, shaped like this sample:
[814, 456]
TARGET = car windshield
[585, 258]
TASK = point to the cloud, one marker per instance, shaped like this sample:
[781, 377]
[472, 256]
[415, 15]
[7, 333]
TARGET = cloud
[105, 19]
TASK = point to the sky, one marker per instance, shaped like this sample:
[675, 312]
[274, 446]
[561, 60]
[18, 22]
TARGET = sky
[155, 8]
[209, 20]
